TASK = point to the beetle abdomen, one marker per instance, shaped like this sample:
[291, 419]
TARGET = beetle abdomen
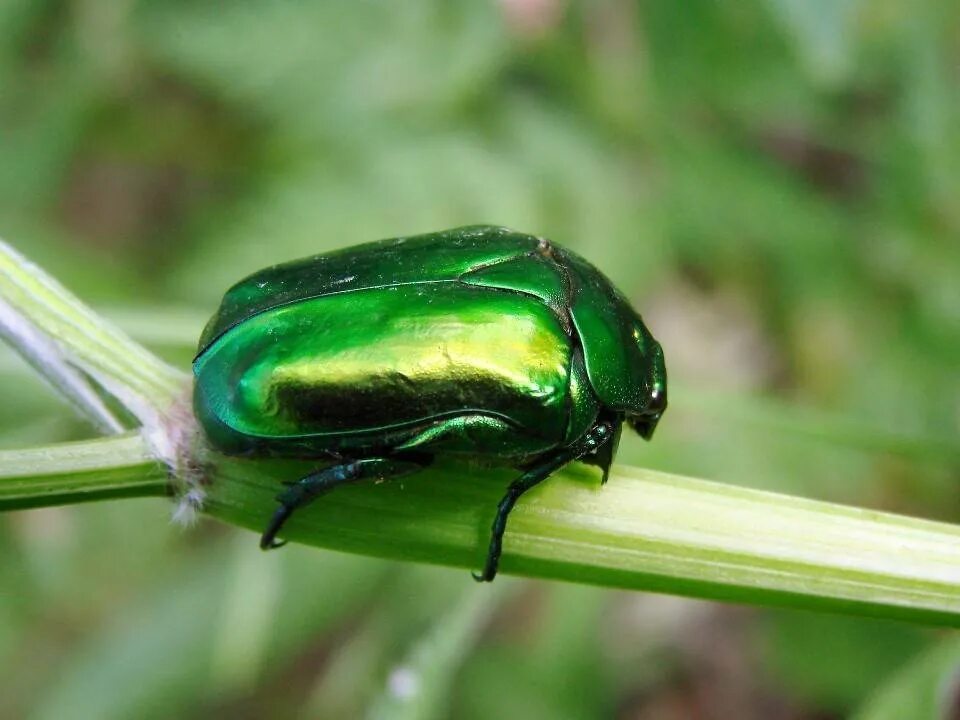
[423, 355]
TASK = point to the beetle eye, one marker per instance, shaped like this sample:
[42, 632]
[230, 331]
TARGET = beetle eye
[658, 401]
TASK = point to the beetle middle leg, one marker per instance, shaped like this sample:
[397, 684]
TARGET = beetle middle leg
[601, 434]
[309, 488]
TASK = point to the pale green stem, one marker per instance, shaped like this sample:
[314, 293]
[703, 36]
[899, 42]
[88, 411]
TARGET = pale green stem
[643, 530]
[60, 336]
[121, 466]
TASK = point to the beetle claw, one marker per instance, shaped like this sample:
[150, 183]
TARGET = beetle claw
[268, 540]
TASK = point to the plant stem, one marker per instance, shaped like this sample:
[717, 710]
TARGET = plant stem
[116, 467]
[70, 345]
[644, 530]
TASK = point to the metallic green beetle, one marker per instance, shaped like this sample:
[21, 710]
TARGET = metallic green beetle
[477, 342]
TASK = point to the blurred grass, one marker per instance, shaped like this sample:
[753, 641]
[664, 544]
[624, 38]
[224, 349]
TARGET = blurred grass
[773, 182]
[925, 689]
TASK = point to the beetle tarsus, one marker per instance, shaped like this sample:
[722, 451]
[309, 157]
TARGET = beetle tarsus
[268, 540]
[307, 489]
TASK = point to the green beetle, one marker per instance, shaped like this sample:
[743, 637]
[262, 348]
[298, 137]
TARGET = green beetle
[475, 342]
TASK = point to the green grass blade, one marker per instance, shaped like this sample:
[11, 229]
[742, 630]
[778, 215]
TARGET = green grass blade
[163, 655]
[419, 687]
[927, 688]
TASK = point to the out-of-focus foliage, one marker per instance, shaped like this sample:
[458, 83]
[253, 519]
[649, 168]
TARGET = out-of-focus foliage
[926, 688]
[774, 183]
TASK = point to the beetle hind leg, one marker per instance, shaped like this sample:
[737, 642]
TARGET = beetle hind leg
[307, 489]
[597, 438]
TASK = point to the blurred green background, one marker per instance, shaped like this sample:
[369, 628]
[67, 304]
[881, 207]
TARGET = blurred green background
[774, 183]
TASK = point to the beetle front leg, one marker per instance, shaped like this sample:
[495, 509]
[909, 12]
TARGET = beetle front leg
[595, 439]
[309, 488]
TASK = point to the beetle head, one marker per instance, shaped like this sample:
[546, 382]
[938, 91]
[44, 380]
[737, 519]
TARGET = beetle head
[645, 422]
